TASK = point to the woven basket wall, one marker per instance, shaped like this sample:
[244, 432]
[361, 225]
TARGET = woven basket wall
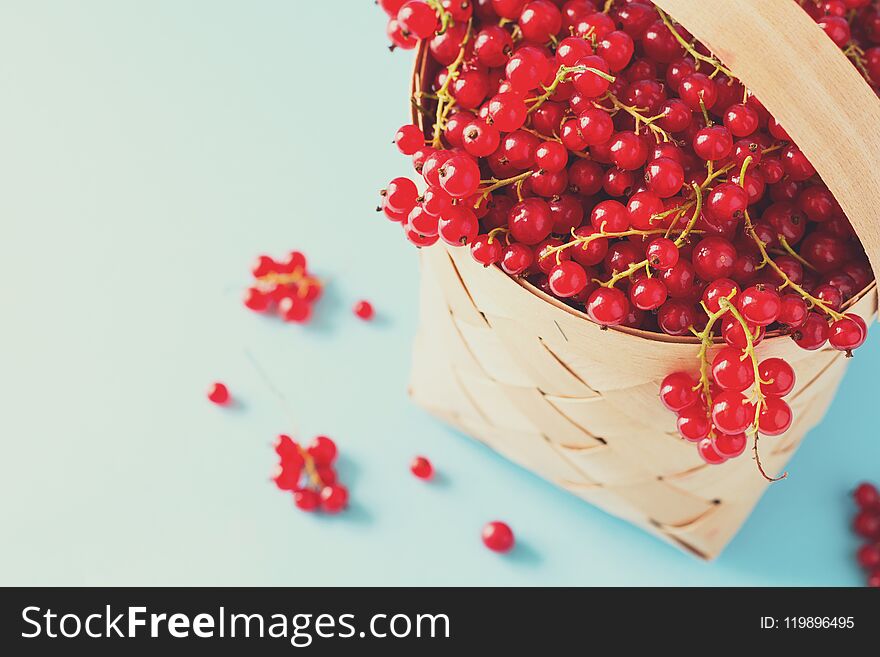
[578, 405]
[544, 386]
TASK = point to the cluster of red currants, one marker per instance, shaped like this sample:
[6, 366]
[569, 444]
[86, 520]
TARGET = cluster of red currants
[596, 149]
[309, 474]
[867, 525]
[284, 286]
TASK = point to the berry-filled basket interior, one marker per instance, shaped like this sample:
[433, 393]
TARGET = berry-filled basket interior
[827, 105]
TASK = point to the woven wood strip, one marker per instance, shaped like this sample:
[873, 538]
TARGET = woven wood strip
[541, 384]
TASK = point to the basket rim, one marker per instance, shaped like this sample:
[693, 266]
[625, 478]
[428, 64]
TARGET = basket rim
[420, 66]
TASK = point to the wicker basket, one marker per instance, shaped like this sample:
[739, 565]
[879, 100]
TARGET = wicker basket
[546, 387]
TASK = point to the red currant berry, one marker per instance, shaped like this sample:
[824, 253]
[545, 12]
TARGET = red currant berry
[628, 151]
[508, 111]
[867, 496]
[678, 391]
[760, 305]
[741, 120]
[257, 300]
[730, 446]
[708, 452]
[793, 312]
[218, 393]
[530, 221]
[777, 377]
[567, 279]
[848, 333]
[713, 144]
[867, 524]
[459, 176]
[662, 253]
[868, 556]
[648, 293]
[334, 498]
[664, 176]
[714, 258]
[306, 499]
[813, 333]
[732, 413]
[610, 217]
[716, 291]
[693, 423]
[459, 226]
[418, 18]
[409, 139]
[294, 309]
[288, 476]
[288, 450]
[498, 537]
[322, 450]
[608, 306]
[364, 310]
[422, 468]
[775, 417]
[517, 258]
[676, 317]
[731, 371]
[486, 250]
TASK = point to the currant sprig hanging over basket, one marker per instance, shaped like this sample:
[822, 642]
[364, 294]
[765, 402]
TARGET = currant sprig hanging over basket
[627, 176]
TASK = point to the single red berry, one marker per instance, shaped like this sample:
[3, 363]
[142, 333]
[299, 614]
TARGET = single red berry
[648, 293]
[662, 253]
[257, 300]
[364, 310]
[498, 537]
[421, 468]
[568, 279]
[334, 498]
[218, 393]
[708, 452]
[678, 391]
[306, 499]
[294, 309]
[608, 306]
[730, 446]
[287, 449]
[409, 139]
[868, 556]
[777, 377]
[775, 418]
[722, 288]
[713, 144]
[760, 305]
[418, 18]
[731, 371]
[487, 250]
[813, 333]
[867, 524]
[693, 423]
[732, 413]
[848, 333]
[867, 496]
[322, 450]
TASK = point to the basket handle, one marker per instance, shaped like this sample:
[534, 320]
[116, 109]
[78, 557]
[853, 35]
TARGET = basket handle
[806, 82]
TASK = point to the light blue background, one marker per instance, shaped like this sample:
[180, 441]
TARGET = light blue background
[148, 150]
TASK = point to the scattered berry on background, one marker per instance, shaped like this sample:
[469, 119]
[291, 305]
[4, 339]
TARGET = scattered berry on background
[597, 150]
[498, 537]
[284, 287]
[218, 393]
[421, 468]
[364, 310]
[866, 525]
[308, 473]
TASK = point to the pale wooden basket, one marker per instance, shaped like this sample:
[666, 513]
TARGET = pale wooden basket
[578, 405]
